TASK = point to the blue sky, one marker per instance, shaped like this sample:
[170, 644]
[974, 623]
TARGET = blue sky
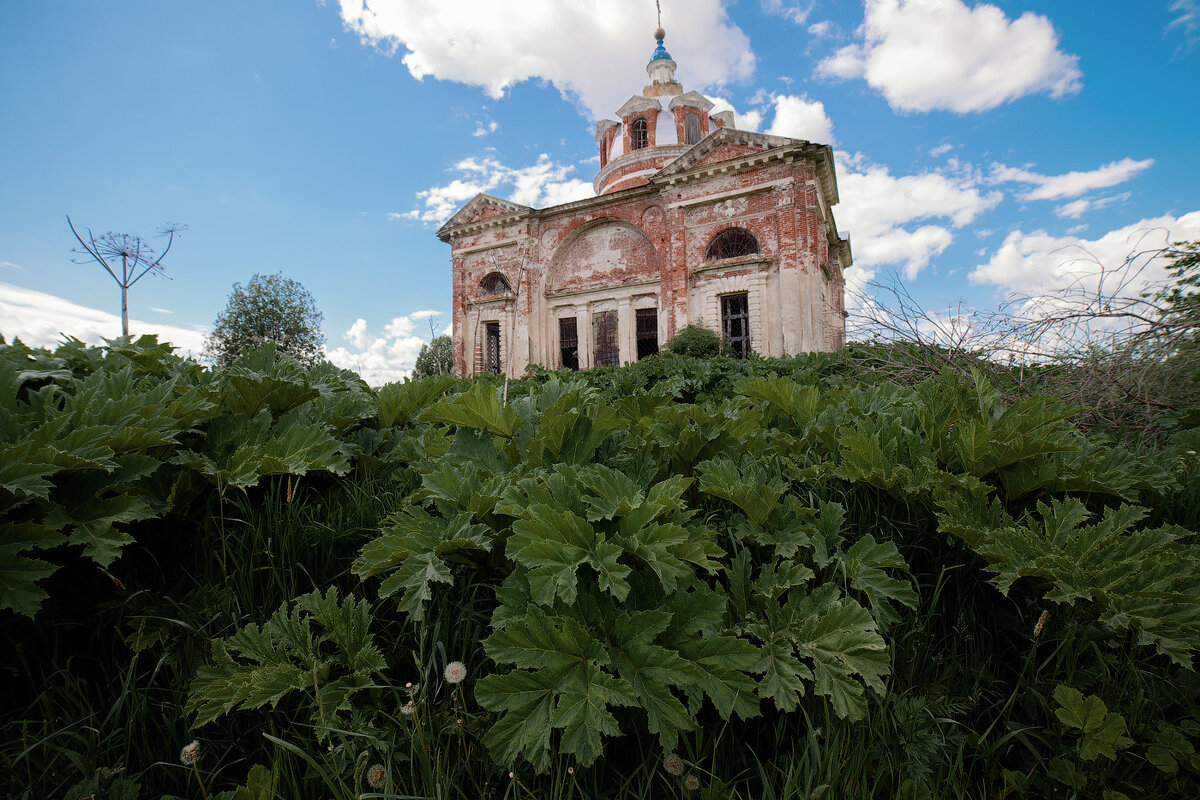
[980, 145]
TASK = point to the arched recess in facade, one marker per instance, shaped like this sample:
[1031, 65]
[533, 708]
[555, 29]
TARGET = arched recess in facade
[602, 296]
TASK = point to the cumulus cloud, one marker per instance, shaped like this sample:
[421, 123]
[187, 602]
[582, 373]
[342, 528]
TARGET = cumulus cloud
[1071, 184]
[882, 212]
[482, 130]
[539, 185]
[41, 320]
[801, 118]
[1039, 264]
[942, 54]
[387, 357]
[750, 120]
[496, 45]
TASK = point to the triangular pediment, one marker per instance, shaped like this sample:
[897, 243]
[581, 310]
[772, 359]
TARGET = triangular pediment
[723, 144]
[480, 207]
[638, 104]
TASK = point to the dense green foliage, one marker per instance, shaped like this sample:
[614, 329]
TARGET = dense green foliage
[436, 358]
[685, 577]
[697, 341]
[269, 309]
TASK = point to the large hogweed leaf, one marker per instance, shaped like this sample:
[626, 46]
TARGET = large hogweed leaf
[478, 408]
[398, 404]
[415, 551]
[318, 646]
[552, 545]
[1145, 579]
[819, 640]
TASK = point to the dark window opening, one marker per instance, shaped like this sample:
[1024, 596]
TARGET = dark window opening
[494, 283]
[568, 343]
[647, 332]
[608, 349]
[491, 336]
[691, 129]
[731, 244]
[735, 322]
[639, 137]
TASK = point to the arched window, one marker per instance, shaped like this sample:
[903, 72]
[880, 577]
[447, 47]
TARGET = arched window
[638, 137]
[494, 284]
[691, 129]
[731, 243]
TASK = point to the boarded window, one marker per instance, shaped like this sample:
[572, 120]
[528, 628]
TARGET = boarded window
[691, 129]
[493, 284]
[735, 322]
[491, 346]
[647, 332]
[568, 343]
[608, 349]
[638, 135]
[731, 243]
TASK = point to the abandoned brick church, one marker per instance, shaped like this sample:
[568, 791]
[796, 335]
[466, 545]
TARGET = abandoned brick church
[694, 222]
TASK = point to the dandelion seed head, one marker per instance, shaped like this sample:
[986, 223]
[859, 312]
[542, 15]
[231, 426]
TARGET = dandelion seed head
[456, 671]
[407, 708]
[691, 783]
[189, 753]
[570, 770]
[673, 764]
[376, 776]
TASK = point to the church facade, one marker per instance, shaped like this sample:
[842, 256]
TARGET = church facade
[693, 222]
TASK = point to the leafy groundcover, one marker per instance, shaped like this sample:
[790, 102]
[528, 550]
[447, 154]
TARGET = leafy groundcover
[684, 577]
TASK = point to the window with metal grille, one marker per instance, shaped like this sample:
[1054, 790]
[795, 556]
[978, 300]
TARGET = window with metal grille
[568, 343]
[638, 134]
[646, 320]
[691, 129]
[494, 283]
[491, 346]
[735, 322]
[608, 349]
[731, 243]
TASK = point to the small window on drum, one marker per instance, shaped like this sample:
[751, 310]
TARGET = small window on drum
[691, 129]
[639, 136]
[494, 284]
[731, 243]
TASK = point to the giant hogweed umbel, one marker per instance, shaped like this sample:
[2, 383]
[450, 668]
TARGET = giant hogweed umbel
[617, 605]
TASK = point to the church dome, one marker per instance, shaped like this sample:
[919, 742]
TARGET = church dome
[655, 127]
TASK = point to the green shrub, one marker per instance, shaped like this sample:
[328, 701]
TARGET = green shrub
[697, 342]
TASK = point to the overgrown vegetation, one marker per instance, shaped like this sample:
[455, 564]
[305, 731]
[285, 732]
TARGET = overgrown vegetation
[719, 578]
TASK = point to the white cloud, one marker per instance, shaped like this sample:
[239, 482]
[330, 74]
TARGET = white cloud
[1077, 208]
[751, 120]
[542, 184]
[41, 320]
[1038, 264]
[942, 54]
[482, 130]
[1071, 184]
[496, 45]
[10, 265]
[821, 29]
[879, 210]
[941, 150]
[386, 358]
[158, 310]
[801, 118]
[1188, 20]
[795, 10]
